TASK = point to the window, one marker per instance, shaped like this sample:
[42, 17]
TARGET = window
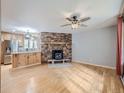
[26, 43]
[30, 42]
[35, 44]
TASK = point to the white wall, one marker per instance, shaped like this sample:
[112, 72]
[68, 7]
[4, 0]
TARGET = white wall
[95, 47]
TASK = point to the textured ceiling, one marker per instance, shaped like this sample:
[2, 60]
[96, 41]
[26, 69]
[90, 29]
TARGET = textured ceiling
[48, 15]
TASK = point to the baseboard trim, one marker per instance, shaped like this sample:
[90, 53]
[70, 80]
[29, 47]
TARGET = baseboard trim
[77, 61]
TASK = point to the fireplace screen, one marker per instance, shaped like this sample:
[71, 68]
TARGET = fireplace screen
[57, 54]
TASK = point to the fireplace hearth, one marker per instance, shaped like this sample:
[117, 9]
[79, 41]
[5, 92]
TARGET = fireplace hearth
[57, 54]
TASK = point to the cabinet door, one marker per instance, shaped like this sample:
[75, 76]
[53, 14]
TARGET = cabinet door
[38, 57]
[14, 60]
[22, 60]
[31, 59]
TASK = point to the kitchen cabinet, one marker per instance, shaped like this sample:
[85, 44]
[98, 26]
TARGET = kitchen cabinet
[31, 58]
[22, 60]
[25, 59]
[37, 57]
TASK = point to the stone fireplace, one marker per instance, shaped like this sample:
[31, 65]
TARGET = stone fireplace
[56, 46]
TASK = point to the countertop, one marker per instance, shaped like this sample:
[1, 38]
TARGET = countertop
[25, 52]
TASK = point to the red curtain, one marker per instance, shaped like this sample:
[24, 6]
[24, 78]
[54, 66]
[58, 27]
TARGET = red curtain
[119, 46]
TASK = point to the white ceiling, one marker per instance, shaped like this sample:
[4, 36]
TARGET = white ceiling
[48, 15]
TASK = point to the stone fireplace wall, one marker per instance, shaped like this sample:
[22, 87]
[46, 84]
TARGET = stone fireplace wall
[52, 41]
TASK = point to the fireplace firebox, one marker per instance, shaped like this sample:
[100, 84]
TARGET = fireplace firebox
[57, 54]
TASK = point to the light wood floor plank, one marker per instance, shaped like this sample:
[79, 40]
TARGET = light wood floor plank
[78, 78]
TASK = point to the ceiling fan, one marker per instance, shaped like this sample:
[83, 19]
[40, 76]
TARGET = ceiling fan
[75, 22]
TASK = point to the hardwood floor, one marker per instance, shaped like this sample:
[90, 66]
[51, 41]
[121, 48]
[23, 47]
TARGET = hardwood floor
[78, 78]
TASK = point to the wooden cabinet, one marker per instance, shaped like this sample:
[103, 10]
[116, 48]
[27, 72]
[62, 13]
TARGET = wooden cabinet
[5, 36]
[25, 59]
[31, 59]
[22, 60]
[19, 60]
[34, 58]
[13, 36]
[38, 58]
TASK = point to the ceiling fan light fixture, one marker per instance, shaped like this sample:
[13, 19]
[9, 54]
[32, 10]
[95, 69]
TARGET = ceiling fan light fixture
[75, 26]
[75, 22]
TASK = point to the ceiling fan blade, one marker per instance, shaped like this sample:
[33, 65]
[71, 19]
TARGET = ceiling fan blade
[83, 25]
[84, 19]
[66, 25]
[69, 19]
